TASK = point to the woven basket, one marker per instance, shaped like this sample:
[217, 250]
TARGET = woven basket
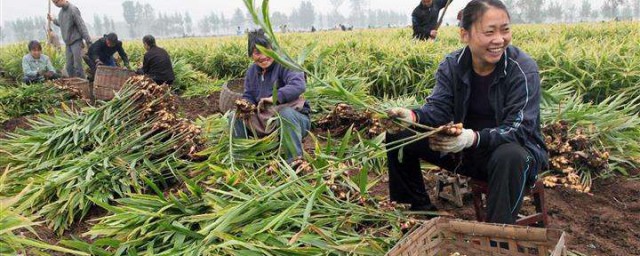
[109, 80]
[81, 85]
[444, 236]
[231, 91]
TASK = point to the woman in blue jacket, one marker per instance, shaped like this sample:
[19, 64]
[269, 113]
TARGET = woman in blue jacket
[259, 81]
[493, 89]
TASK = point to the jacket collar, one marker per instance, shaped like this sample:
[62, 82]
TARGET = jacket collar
[464, 63]
[268, 70]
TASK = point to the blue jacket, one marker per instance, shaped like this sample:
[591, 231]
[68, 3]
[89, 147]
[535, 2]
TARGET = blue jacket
[32, 67]
[424, 19]
[514, 96]
[258, 84]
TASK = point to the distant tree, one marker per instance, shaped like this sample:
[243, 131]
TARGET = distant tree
[279, 18]
[334, 18]
[627, 12]
[180, 24]
[585, 9]
[530, 10]
[215, 21]
[610, 8]
[336, 3]
[2, 34]
[307, 14]
[554, 11]
[570, 12]
[357, 17]
[237, 19]
[595, 14]
[97, 25]
[188, 23]
[29, 28]
[208, 23]
[132, 14]
[113, 25]
[224, 23]
[106, 25]
[514, 11]
[147, 18]
[160, 27]
[636, 8]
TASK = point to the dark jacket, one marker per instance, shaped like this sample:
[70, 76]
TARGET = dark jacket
[514, 97]
[258, 84]
[100, 50]
[157, 65]
[71, 25]
[424, 19]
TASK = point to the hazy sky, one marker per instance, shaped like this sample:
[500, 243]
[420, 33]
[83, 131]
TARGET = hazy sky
[12, 9]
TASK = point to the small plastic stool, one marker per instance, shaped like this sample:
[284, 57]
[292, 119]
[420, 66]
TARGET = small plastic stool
[479, 190]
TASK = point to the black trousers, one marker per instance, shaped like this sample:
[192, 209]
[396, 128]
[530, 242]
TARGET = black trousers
[506, 169]
[161, 82]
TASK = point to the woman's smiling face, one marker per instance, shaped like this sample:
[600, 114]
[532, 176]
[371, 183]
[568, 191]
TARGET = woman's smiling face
[488, 37]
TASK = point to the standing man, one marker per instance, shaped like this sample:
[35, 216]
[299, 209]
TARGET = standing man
[156, 63]
[101, 53]
[425, 19]
[73, 32]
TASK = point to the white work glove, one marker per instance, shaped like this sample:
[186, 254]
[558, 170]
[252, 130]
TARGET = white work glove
[451, 144]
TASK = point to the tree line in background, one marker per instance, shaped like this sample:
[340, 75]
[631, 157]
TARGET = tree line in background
[141, 19]
[539, 11]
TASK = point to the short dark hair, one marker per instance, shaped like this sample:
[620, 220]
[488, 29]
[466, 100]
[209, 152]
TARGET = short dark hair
[113, 37]
[476, 8]
[149, 40]
[257, 37]
[34, 45]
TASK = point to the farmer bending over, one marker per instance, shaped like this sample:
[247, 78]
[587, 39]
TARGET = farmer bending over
[101, 53]
[493, 89]
[156, 63]
[425, 19]
[289, 104]
[36, 66]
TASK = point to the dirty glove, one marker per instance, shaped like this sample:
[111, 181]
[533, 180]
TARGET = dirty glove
[404, 114]
[451, 144]
[264, 102]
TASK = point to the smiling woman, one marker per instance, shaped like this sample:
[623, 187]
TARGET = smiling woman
[486, 30]
[493, 89]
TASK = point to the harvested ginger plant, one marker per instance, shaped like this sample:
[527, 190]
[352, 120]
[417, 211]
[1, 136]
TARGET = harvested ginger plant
[344, 116]
[573, 158]
[244, 109]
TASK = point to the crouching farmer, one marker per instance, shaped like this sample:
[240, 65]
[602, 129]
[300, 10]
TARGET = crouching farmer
[36, 66]
[289, 104]
[493, 89]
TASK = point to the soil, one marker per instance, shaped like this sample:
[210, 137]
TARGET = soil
[14, 124]
[76, 231]
[192, 108]
[606, 222]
